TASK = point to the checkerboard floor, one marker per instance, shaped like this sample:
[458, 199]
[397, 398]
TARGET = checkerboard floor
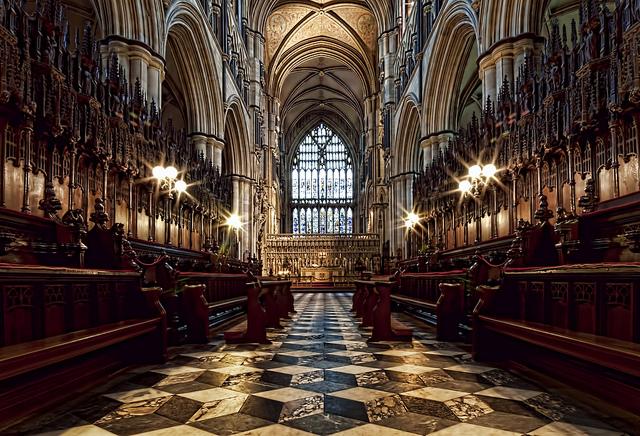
[321, 377]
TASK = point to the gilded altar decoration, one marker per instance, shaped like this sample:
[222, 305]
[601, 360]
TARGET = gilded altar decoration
[335, 259]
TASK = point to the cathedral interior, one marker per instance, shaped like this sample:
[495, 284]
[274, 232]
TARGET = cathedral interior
[294, 217]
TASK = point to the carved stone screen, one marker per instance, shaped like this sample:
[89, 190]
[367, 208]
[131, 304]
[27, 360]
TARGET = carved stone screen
[322, 184]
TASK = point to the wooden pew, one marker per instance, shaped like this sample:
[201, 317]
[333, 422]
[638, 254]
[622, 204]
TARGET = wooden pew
[367, 299]
[268, 302]
[440, 298]
[254, 329]
[385, 327]
[285, 299]
[578, 323]
[63, 329]
[359, 297]
[206, 300]
[270, 298]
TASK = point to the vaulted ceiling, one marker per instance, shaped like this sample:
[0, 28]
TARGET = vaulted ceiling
[321, 61]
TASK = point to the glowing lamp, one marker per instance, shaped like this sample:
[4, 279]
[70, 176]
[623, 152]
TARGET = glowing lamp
[489, 170]
[464, 186]
[158, 172]
[475, 171]
[181, 186]
[234, 221]
[171, 172]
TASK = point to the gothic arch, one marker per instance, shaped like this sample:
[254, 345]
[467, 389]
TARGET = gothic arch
[406, 140]
[381, 9]
[500, 20]
[189, 38]
[237, 141]
[314, 48]
[450, 46]
[309, 126]
[141, 20]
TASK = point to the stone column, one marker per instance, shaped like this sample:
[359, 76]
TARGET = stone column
[401, 201]
[426, 148]
[504, 62]
[139, 62]
[200, 143]
[387, 47]
[215, 147]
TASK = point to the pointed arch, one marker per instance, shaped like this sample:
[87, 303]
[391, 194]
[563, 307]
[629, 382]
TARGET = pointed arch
[142, 20]
[500, 20]
[450, 46]
[188, 38]
[407, 148]
[382, 11]
[237, 141]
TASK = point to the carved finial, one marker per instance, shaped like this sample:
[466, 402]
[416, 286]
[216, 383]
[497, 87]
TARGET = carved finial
[574, 34]
[99, 217]
[155, 116]
[488, 109]
[543, 214]
[87, 39]
[137, 96]
[505, 90]
[589, 201]
[50, 204]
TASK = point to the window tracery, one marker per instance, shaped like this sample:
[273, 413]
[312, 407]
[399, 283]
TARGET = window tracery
[322, 184]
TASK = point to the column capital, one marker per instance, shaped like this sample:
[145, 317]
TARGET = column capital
[508, 47]
[129, 48]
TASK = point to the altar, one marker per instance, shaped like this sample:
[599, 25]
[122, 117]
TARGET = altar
[321, 260]
[320, 273]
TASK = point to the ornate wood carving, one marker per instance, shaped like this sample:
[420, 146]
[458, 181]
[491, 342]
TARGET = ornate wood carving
[562, 133]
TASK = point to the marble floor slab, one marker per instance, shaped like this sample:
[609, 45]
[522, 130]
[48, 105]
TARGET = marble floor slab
[320, 376]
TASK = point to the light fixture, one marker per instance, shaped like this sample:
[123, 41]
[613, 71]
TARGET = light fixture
[475, 171]
[411, 220]
[465, 186]
[158, 172]
[477, 178]
[181, 186]
[171, 172]
[489, 170]
[166, 178]
[234, 221]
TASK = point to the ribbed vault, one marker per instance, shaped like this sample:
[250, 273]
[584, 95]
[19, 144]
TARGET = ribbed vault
[321, 62]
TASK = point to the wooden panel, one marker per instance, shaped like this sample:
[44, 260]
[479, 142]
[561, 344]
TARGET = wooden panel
[535, 302]
[618, 311]
[18, 314]
[54, 310]
[120, 301]
[80, 307]
[584, 297]
[559, 304]
[103, 297]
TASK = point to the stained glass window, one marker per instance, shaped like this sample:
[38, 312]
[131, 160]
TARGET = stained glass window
[329, 221]
[315, 220]
[322, 184]
[303, 222]
[323, 221]
[295, 221]
[294, 185]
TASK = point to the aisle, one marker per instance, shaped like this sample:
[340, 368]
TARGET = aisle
[319, 376]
